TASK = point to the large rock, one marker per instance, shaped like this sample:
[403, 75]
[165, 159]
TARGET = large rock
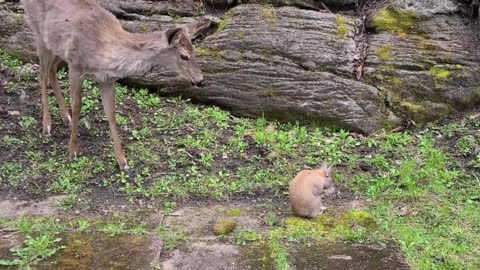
[429, 66]
[288, 64]
[294, 64]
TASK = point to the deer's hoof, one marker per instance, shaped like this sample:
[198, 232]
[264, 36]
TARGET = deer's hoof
[73, 155]
[67, 121]
[47, 130]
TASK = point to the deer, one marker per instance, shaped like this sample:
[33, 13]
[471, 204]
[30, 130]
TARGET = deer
[94, 45]
[306, 191]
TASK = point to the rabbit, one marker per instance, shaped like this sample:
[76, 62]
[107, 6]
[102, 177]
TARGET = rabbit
[306, 190]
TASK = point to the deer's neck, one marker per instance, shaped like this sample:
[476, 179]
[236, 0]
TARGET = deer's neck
[135, 54]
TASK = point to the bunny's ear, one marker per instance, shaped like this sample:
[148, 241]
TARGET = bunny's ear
[326, 169]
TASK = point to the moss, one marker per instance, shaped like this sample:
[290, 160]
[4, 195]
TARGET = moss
[235, 212]
[342, 29]
[386, 68]
[258, 255]
[458, 66]
[268, 14]
[439, 73]
[240, 35]
[394, 22]
[144, 27]
[269, 92]
[325, 227]
[208, 53]
[425, 111]
[396, 81]
[384, 52]
[18, 17]
[224, 227]
[425, 45]
[411, 108]
[224, 21]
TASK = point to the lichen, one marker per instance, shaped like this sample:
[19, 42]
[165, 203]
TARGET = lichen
[240, 35]
[425, 111]
[225, 226]
[144, 27]
[395, 22]
[268, 92]
[396, 81]
[268, 14]
[342, 29]
[458, 66]
[384, 52]
[208, 53]
[439, 73]
[224, 21]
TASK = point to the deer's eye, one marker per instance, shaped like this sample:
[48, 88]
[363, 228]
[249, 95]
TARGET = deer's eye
[184, 57]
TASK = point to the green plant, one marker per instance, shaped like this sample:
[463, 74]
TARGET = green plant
[27, 122]
[244, 236]
[113, 228]
[171, 239]
[465, 145]
[34, 251]
[83, 225]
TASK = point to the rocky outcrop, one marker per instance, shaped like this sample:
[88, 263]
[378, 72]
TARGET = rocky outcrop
[293, 63]
[426, 64]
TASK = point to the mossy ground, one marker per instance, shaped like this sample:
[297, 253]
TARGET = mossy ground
[421, 187]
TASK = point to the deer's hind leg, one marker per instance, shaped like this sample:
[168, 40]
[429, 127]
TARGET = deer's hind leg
[52, 77]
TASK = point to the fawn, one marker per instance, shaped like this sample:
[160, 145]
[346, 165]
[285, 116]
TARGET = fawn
[93, 43]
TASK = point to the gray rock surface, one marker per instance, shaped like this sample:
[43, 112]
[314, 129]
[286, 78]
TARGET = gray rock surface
[290, 63]
[430, 70]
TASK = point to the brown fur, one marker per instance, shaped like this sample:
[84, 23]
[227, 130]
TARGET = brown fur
[306, 190]
[94, 44]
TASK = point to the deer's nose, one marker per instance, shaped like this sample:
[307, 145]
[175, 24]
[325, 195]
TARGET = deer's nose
[197, 82]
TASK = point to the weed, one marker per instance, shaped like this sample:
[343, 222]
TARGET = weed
[244, 236]
[113, 228]
[465, 145]
[171, 239]
[83, 225]
[27, 122]
[34, 251]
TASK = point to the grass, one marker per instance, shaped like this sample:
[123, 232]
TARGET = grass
[421, 187]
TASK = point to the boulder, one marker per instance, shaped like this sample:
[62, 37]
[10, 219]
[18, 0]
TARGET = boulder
[427, 66]
[419, 59]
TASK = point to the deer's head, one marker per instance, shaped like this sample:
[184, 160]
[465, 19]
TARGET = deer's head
[180, 44]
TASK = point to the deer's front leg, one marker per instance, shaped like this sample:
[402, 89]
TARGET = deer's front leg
[46, 118]
[76, 97]
[108, 101]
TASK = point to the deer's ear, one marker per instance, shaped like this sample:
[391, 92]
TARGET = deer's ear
[173, 35]
[196, 29]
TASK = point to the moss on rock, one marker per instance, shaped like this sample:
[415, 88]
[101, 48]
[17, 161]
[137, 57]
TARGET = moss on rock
[395, 22]
[383, 52]
[225, 226]
[342, 29]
